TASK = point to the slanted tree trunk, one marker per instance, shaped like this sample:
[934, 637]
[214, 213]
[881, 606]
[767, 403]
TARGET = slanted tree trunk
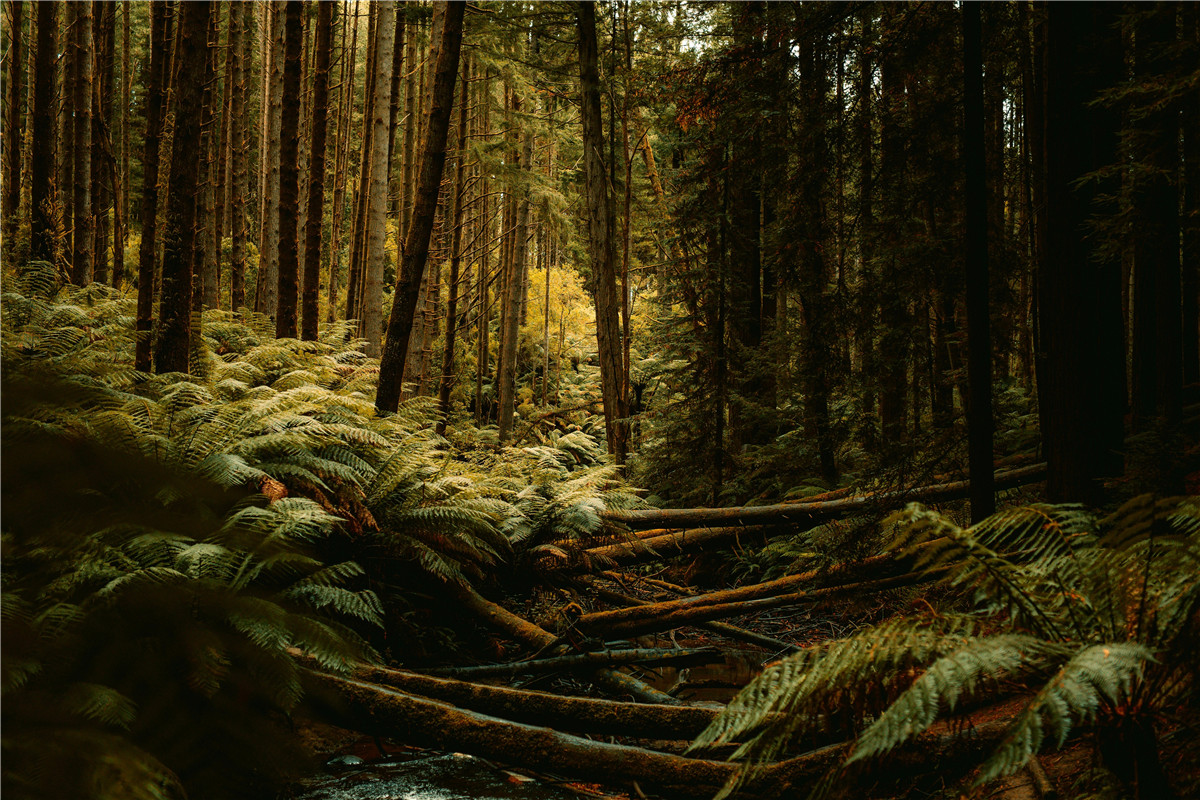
[289, 175]
[41, 150]
[447, 378]
[241, 24]
[12, 120]
[416, 245]
[159, 62]
[81, 238]
[600, 217]
[316, 174]
[385, 42]
[179, 228]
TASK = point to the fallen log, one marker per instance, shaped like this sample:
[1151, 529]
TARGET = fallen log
[812, 513]
[576, 714]
[721, 628]
[529, 634]
[611, 623]
[591, 658]
[429, 723]
[674, 543]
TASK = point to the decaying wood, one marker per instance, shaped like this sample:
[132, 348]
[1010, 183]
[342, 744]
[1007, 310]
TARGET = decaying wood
[639, 620]
[592, 658]
[812, 513]
[526, 632]
[674, 543]
[721, 628]
[430, 723]
[576, 714]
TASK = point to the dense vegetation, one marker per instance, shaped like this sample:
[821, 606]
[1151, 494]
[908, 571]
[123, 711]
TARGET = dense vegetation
[339, 334]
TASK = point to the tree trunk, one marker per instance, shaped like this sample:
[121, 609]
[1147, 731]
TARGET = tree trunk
[266, 297]
[103, 189]
[506, 368]
[354, 288]
[159, 62]
[14, 131]
[121, 230]
[416, 246]
[1079, 296]
[179, 229]
[41, 152]
[289, 175]
[600, 217]
[81, 248]
[341, 158]
[975, 256]
[204, 267]
[385, 35]
[241, 24]
[316, 172]
[224, 168]
[447, 377]
[1190, 280]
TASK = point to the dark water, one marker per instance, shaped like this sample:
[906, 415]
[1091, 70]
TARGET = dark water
[717, 682]
[452, 776]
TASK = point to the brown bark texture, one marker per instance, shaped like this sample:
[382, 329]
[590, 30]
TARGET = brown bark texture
[316, 171]
[289, 175]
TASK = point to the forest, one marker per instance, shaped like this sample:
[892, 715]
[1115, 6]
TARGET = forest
[658, 399]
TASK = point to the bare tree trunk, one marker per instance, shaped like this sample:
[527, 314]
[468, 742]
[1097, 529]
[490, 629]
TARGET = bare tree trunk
[41, 155]
[506, 368]
[385, 40]
[205, 266]
[179, 229]
[481, 292]
[222, 180]
[241, 24]
[266, 298]
[416, 250]
[341, 157]
[447, 377]
[81, 250]
[103, 191]
[159, 59]
[316, 173]
[354, 290]
[289, 176]
[410, 128]
[600, 216]
[65, 141]
[12, 141]
[121, 229]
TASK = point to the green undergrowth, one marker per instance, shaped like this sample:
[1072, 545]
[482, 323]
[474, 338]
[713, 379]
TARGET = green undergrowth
[167, 539]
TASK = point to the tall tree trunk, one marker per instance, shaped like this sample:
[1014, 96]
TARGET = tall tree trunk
[81, 249]
[1157, 320]
[483, 316]
[358, 234]
[223, 165]
[447, 378]
[385, 41]
[1190, 280]
[266, 298]
[341, 158]
[975, 256]
[120, 231]
[600, 217]
[289, 175]
[65, 140]
[410, 128]
[865, 335]
[179, 228]
[416, 245]
[204, 267]
[506, 367]
[316, 172]
[41, 154]
[241, 25]
[1079, 296]
[159, 61]
[103, 190]
[15, 134]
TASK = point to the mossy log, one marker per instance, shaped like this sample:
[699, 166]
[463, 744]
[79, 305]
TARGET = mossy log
[576, 714]
[807, 515]
[524, 631]
[429, 723]
[620, 624]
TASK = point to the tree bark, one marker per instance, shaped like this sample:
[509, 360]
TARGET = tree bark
[159, 61]
[506, 367]
[452, 323]
[41, 153]
[266, 297]
[81, 238]
[416, 246]
[179, 229]
[316, 172]
[204, 268]
[975, 256]
[103, 190]
[289, 175]
[385, 35]
[13, 120]
[600, 246]
[341, 159]
[241, 25]
[589, 659]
